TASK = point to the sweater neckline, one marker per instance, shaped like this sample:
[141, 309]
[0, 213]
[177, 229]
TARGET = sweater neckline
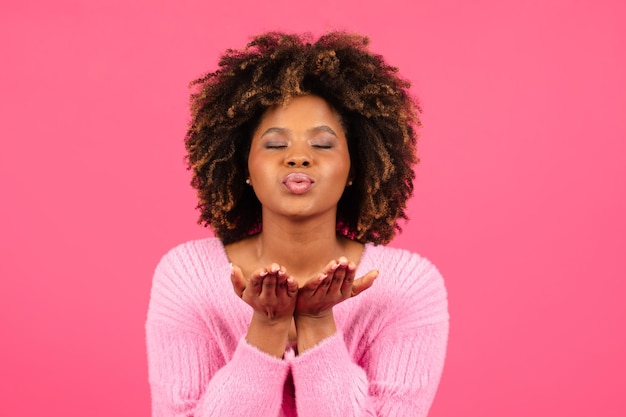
[367, 247]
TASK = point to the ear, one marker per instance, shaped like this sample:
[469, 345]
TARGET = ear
[350, 177]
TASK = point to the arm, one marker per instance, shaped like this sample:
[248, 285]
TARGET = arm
[189, 375]
[313, 313]
[398, 377]
[272, 295]
[399, 373]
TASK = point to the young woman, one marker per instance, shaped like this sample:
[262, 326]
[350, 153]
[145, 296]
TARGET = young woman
[302, 156]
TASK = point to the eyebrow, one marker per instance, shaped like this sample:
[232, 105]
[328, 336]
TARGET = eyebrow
[282, 130]
[322, 128]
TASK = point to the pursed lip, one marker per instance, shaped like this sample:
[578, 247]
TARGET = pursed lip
[298, 182]
[298, 177]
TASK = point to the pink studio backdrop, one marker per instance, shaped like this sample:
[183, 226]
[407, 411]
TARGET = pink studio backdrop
[520, 198]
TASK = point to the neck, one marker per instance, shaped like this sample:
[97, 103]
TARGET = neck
[304, 248]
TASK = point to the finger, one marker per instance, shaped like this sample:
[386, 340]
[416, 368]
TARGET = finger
[281, 282]
[331, 267]
[312, 285]
[324, 284]
[268, 288]
[274, 268]
[348, 281]
[292, 287]
[322, 281]
[255, 284]
[364, 282]
[336, 279]
[239, 282]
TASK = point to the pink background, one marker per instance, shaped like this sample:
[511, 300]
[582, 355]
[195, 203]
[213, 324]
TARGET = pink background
[521, 196]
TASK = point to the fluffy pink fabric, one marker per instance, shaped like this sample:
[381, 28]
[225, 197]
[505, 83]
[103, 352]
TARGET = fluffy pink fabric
[385, 360]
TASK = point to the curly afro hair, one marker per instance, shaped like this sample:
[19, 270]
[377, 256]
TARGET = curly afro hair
[378, 113]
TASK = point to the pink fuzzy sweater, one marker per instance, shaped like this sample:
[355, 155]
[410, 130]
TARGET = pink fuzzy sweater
[385, 359]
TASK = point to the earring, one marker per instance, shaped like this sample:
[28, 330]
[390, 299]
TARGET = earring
[349, 183]
[248, 181]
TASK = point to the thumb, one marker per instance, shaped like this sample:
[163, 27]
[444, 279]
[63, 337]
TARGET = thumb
[364, 282]
[236, 277]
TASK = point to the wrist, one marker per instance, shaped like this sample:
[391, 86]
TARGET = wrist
[311, 330]
[271, 323]
[268, 335]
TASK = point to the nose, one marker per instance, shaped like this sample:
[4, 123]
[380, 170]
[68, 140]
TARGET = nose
[296, 161]
[298, 157]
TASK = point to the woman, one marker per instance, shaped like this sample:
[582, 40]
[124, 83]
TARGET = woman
[302, 157]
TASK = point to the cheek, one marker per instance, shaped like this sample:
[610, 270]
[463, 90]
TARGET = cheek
[254, 165]
[341, 171]
[347, 166]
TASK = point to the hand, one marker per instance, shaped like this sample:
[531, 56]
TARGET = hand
[269, 291]
[336, 284]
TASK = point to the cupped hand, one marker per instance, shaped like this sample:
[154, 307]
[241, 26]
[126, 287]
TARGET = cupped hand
[269, 291]
[334, 285]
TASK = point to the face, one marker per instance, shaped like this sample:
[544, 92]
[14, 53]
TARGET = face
[299, 163]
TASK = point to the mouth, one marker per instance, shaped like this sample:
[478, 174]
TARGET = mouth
[298, 183]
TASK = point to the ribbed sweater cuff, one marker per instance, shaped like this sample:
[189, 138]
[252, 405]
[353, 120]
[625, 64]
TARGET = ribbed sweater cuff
[256, 364]
[251, 384]
[327, 381]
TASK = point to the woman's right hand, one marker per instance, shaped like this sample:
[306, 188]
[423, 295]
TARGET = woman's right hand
[269, 291]
[272, 295]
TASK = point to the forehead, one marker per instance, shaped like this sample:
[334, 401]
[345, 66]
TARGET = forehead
[301, 113]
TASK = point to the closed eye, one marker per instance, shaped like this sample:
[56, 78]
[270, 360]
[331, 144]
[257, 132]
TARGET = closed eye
[275, 146]
[322, 144]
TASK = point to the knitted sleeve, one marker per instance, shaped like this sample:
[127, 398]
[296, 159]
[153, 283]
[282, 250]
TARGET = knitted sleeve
[403, 351]
[188, 373]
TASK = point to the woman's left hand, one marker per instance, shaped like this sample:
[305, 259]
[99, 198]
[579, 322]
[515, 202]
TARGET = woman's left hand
[334, 285]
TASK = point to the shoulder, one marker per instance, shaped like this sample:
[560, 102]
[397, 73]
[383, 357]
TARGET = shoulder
[409, 265]
[187, 276]
[193, 252]
[192, 260]
[408, 280]
[179, 286]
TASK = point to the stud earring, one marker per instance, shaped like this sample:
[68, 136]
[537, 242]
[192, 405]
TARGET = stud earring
[349, 183]
[248, 181]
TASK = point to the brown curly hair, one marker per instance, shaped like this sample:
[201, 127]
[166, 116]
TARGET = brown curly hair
[378, 113]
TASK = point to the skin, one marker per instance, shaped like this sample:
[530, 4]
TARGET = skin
[297, 269]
